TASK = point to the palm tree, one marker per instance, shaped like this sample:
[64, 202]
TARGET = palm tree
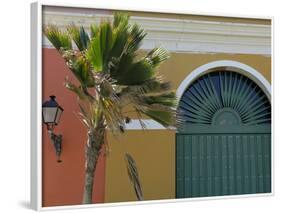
[112, 77]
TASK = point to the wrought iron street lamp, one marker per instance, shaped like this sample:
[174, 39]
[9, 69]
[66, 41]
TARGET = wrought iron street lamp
[52, 112]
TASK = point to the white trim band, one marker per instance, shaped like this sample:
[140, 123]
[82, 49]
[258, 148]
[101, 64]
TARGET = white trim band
[178, 35]
[149, 123]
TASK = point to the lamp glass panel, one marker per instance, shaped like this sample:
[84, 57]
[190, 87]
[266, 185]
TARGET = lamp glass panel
[49, 114]
[58, 115]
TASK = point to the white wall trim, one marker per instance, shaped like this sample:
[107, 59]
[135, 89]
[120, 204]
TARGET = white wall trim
[178, 35]
[244, 69]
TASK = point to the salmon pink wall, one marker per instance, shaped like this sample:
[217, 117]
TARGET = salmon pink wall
[63, 182]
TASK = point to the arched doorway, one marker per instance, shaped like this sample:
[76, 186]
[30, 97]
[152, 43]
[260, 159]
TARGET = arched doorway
[223, 144]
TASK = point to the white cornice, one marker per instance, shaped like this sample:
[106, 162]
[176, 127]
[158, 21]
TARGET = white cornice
[182, 35]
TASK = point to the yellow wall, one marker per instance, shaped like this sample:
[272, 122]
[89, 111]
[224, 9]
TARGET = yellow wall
[154, 150]
[181, 64]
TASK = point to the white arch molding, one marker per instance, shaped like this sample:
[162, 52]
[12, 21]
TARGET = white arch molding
[236, 66]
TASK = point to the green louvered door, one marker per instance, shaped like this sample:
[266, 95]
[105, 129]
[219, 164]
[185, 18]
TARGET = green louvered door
[223, 144]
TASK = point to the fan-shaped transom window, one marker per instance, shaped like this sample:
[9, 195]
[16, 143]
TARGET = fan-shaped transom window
[224, 98]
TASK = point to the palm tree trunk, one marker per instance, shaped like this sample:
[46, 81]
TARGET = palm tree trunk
[92, 152]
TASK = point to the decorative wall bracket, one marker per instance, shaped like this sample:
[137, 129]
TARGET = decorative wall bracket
[57, 142]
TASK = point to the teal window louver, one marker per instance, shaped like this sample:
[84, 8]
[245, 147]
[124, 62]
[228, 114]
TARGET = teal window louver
[215, 91]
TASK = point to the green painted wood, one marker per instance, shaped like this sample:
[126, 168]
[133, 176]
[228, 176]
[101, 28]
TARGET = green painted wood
[215, 165]
[224, 166]
[246, 164]
[202, 175]
[231, 162]
[267, 162]
[223, 147]
[188, 166]
[239, 164]
[260, 173]
[209, 164]
[195, 166]
[253, 163]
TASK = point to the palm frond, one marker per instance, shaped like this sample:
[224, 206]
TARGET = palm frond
[152, 86]
[94, 30]
[111, 106]
[166, 118]
[77, 90]
[112, 113]
[136, 35]
[128, 72]
[161, 107]
[120, 39]
[60, 40]
[165, 99]
[79, 36]
[120, 19]
[134, 176]
[118, 67]
[85, 117]
[94, 54]
[107, 40]
[82, 70]
[156, 56]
